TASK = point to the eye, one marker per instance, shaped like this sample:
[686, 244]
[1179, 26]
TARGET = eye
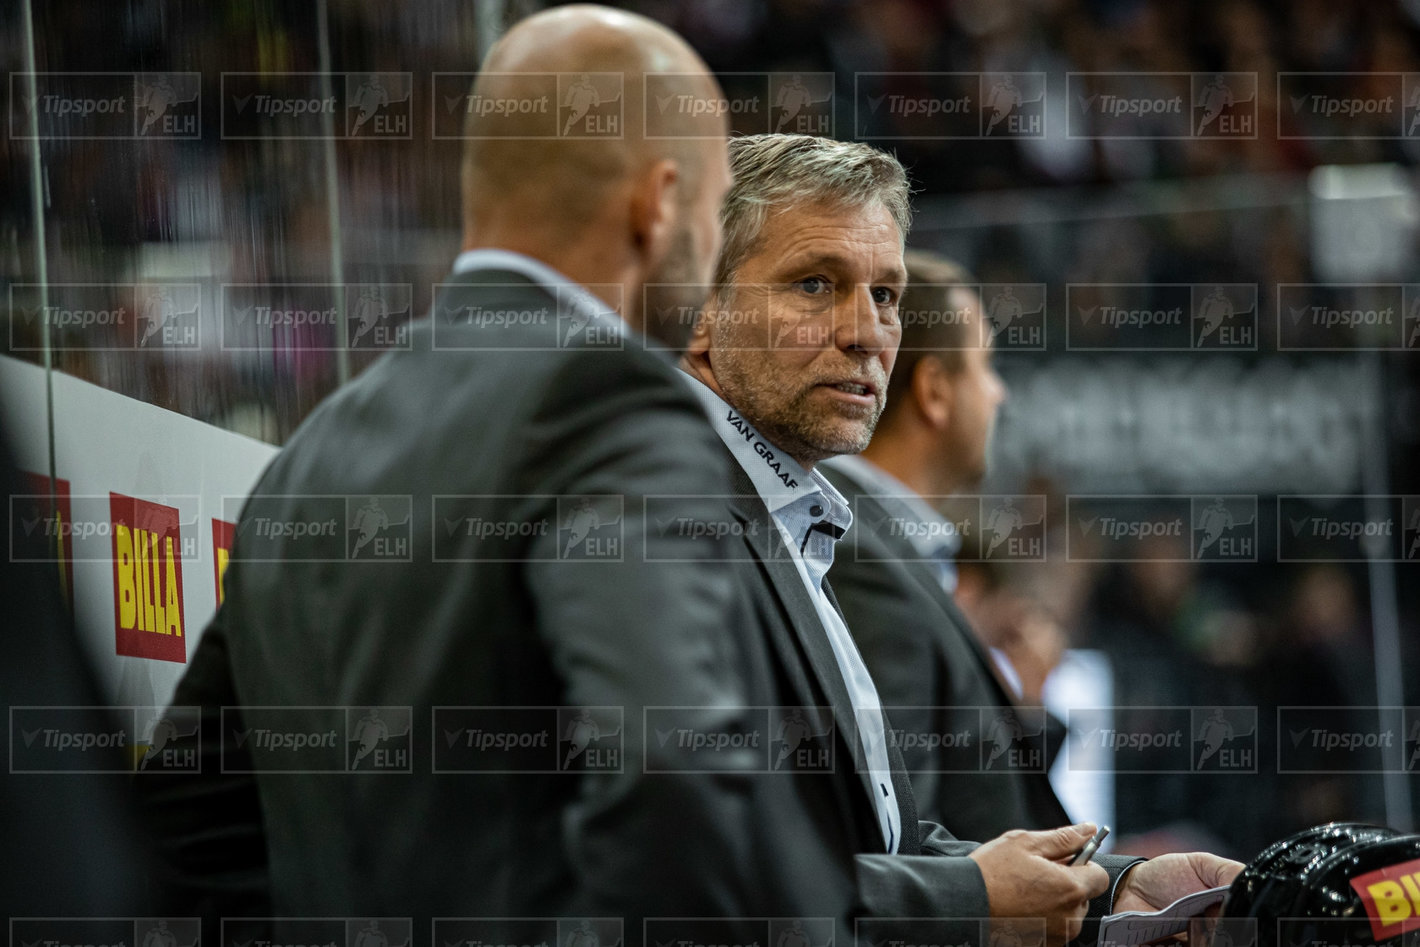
[884, 295]
[814, 286]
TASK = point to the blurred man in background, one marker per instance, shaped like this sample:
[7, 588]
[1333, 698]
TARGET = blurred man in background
[895, 583]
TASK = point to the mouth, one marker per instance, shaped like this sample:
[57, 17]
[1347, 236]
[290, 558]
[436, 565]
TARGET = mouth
[856, 392]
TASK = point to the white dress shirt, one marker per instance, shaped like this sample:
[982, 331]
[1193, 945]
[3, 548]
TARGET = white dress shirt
[797, 499]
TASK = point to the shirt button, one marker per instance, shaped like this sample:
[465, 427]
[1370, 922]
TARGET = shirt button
[816, 510]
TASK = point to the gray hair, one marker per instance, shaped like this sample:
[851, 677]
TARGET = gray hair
[772, 171]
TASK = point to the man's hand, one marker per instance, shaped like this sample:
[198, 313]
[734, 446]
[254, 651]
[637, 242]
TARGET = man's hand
[1025, 877]
[1159, 882]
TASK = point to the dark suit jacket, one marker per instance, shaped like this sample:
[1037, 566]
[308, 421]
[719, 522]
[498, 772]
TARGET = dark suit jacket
[938, 679]
[520, 424]
[930, 877]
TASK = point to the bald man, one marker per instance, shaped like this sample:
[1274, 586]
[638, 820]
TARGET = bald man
[513, 619]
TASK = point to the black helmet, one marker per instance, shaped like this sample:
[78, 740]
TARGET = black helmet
[1343, 883]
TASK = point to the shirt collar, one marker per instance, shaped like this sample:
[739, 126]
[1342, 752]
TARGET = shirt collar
[902, 500]
[782, 482]
[569, 292]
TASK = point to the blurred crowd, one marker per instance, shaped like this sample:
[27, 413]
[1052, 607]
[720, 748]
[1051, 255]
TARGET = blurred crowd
[1053, 209]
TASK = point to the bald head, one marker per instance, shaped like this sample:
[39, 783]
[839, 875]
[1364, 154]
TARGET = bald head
[557, 115]
[565, 162]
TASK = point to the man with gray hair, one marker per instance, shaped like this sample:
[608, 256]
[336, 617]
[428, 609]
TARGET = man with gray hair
[791, 361]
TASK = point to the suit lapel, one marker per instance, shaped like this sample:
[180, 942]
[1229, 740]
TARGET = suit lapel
[809, 640]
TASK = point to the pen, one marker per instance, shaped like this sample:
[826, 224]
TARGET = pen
[1092, 846]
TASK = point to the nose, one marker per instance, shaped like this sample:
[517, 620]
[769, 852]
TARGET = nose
[859, 326]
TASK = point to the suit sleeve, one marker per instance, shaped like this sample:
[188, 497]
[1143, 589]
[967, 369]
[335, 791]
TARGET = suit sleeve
[944, 883]
[648, 629]
[207, 825]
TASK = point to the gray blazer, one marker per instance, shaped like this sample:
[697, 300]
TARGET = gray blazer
[479, 425]
[930, 877]
[933, 671]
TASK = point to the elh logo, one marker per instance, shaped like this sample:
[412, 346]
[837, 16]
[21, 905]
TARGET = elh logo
[379, 527]
[1014, 317]
[168, 315]
[590, 105]
[801, 739]
[147, 579]
[1012, 529]
[589, 739]
[1225, 316]
[1225, 528]
[1225, 739]
[167, 105]
[378, 315]
[589, 527]
[169, 740]
[378, 104]
[801, 932]
[801, 103]
[1225, 105]
[1013, 105]
[378, 739]
[1012, 739]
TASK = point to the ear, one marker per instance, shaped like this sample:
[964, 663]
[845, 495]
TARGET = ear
[695, 359]
[654, 208]
[932, 392]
